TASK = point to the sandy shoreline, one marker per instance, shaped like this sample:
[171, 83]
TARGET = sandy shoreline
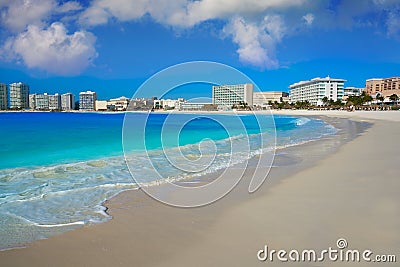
[348, 191]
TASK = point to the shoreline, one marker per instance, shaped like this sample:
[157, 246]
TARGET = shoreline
[141, 225]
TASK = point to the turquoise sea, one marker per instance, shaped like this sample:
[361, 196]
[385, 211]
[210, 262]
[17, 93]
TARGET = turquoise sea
[56, 169]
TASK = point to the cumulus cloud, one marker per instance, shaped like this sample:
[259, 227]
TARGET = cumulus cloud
[17, 14]
[198, 11]
[69, 7]
[256, 26]
[53, 49]
[180, 13]
[257, 41]
[100, 11]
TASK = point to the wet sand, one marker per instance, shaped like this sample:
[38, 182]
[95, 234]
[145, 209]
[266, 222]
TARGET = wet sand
[344, 186]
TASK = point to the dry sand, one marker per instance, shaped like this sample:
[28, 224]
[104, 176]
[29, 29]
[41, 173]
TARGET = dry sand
[327, 192]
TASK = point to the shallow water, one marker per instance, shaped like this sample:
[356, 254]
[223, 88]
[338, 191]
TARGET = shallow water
[57, 168]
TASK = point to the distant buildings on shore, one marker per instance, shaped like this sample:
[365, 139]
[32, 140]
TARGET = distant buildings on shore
[317, 92]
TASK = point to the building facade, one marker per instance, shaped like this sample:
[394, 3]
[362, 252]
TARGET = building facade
[138, 104]
[385, 87]
[55, 102]
[67, 101]
[168, 104]
[42, 101]
[316, 89]
[229, 95]
[101, 105]
[32, 101]
[265, 98]
[3, 96]
[191, 106]
[19, 95]
[87, 101]
[352, 91]
[373, 86]
[118, 104]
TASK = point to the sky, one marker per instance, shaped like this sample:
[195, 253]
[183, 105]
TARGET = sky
[113, 46]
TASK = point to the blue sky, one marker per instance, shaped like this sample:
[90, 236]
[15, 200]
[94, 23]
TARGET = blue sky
[112, 46]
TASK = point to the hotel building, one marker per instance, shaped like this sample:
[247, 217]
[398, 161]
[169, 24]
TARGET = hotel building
[42, 101]
[87, 101]
[168, 104]
[316, 89]
[229, 95]
[19, 95]
[118, 104]
[67, 101]
[3, 96]
[386, 87]
[101, 105]
[55, 102]
[264, 98]
[351, 91]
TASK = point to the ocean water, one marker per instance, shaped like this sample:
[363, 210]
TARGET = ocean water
[56, 169]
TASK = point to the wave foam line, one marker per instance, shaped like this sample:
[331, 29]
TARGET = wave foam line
[59, 225]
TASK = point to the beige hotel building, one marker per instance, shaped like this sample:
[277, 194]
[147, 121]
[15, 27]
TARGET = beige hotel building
[385, 86]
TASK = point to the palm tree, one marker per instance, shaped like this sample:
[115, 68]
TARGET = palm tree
[394, 98]
[325, 100]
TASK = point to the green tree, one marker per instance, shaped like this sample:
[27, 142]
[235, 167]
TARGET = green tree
[338, 103]
[394, 98]
[367, 98]
[325, 100]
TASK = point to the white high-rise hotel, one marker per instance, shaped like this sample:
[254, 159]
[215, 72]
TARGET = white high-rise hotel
[19, 96]
[67, 101]
[316, 89]
[87, 100]
[229, 95]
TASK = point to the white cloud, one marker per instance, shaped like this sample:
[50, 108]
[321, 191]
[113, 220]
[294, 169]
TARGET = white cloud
[181, 13]
[94, 16]
[17, 14]
[198, 11]
[69, 7]
[256, 26]
[53, 49]
[257, 41]
[309, 19]
[393, 23]
[100, 11]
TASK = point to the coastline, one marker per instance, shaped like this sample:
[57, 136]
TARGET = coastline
[110, 242]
